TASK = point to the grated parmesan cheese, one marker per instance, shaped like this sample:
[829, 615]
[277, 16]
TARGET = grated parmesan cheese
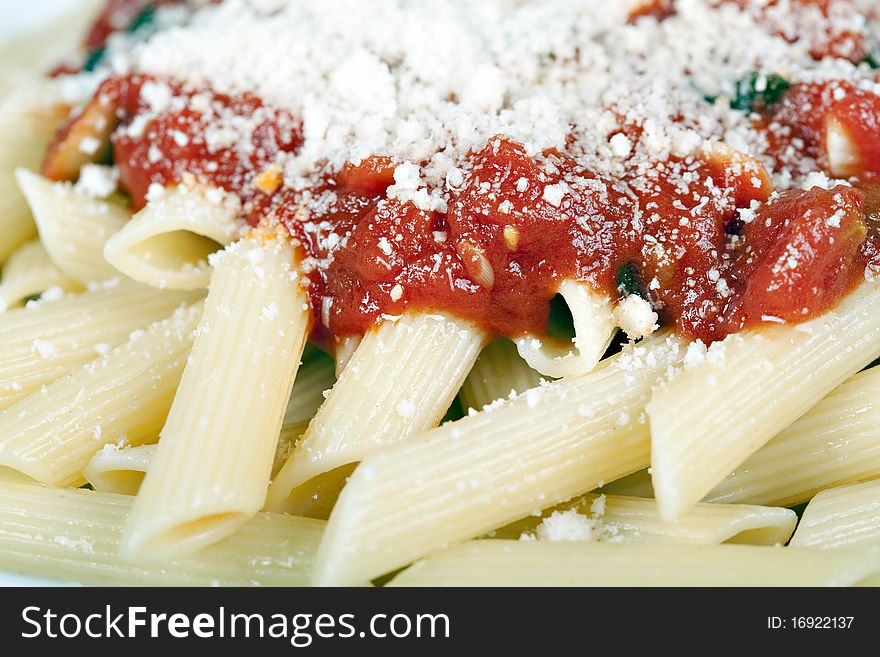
[425, 84]
[565, 526]
[635, 317]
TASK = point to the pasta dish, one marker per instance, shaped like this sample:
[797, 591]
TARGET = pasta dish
[510, 292]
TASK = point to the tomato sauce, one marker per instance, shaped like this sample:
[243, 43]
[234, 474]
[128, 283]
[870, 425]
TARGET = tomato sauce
[800, 124]
[703, 238]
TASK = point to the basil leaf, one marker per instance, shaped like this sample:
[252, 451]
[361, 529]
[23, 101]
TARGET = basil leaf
[758, 91]
[629, 281]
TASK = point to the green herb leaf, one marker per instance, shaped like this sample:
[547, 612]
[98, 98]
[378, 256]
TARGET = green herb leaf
[758, 91]
[143, 20]
[873, 60]
[94, 58]
[629, 281]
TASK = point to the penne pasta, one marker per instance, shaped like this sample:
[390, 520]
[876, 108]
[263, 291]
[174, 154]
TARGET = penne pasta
[399, 382]
[613, 519]
[74, 535]
[28, 273]
[28, 121]
[518, 563]
[711, 417]
[345, 348]
[498, 372]
[289, 435]
[594, 329]
[167, 244]
[121, 471]
[844, 517]
[44, 342]
[836, 442]
[122, 396]
[73, 227]
[471, 476]
[211, 470]
[237, 299]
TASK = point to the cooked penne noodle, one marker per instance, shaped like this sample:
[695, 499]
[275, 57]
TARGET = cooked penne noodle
[613, 518]
[44, 342]
[14, 475]
[167, 244]
[29, 272]
[594, 329]
[314, 378]
[400, 381]
[237, 298]
[73, 227]
[345, 348]
[122, 396]
[289, 435]
[121, 471]
[844, 517]
[710, 418]
[74, 535]
[211, 470]
[498, 372]
[543, 563]
[471, 476]
[836, 442]
[28, 121]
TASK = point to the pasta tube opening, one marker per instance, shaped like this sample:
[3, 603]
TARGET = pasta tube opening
[168, 243]
[594, 329]
[175, 250]
[192, 536]
[119, 471]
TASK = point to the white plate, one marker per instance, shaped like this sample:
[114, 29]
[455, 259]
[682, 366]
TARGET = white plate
[20, 18]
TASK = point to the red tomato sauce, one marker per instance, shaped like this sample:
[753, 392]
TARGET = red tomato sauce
[704, 238]
[799, 125]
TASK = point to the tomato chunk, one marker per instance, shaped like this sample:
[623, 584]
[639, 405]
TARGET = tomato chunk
[804, 253]
[372, 177]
